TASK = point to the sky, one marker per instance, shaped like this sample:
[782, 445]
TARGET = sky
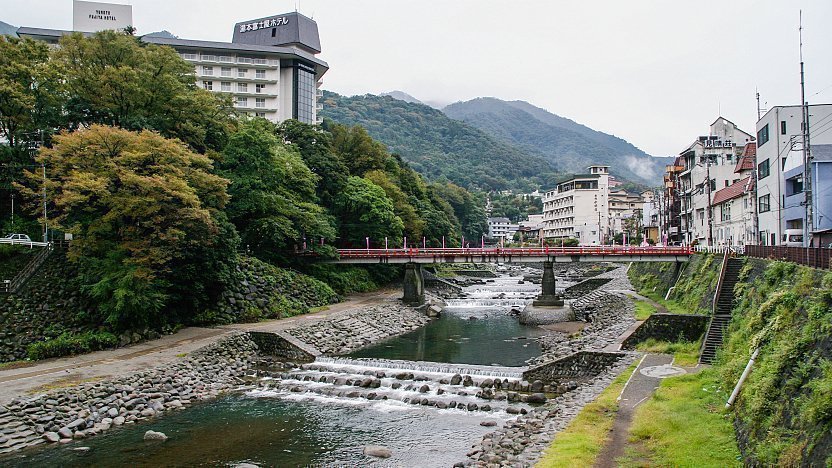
[653, 72]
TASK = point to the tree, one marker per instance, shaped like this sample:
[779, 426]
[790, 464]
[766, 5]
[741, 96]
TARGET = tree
[357, 149]
[113, 78]
[414, 225]
[315, 147]
[141, 207]
[273, 199]
[364, 210]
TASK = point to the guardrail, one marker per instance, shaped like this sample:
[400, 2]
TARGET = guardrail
[514, 252]
[734, 249]
[11, 286]
[29, 244]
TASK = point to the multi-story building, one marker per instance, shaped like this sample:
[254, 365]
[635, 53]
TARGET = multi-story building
[579, 208]
[625, 211]
[708, 165]
[781, 200]
[734, 214]
[671, 222]
[501, 228]
[269, 68]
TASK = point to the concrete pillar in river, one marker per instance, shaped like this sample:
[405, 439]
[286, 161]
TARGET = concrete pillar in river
[414, 284]
[548, 297]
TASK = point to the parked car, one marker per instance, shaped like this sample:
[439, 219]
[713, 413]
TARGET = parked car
[793, 238]
[18, 237]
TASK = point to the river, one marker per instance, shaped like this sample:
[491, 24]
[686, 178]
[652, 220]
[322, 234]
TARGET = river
[317, 415]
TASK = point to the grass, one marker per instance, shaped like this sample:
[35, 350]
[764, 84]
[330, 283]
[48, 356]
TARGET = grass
[685, 353]
[318, 309]
[684, 424]
[644, 309]
[671, 305]
[581, 442]
[15, 365]
[65, 383]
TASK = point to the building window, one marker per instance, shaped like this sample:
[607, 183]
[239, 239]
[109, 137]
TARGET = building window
[763, 170]
[304, 94]
[782, 127]
[259, 88]
[225, 86]
[764, 203]
[260, 74]
[209, 71]
[260, 102]
[225, 71]
[260, 114]
[762, 136]
[713, 185]
[242, 87]
[725, 211]
[242, 102]
[209, 85]
[242, 72]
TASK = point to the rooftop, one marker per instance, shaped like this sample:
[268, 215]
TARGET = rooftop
[737, 189]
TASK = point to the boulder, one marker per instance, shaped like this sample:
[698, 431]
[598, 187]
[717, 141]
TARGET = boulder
[377, 451]
[51, 437]
[536, 398]
[154, 435]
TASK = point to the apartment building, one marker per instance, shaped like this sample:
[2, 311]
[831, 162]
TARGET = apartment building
[707, 165]
[501, 228]
[781, 199]
[579, 208]
[734, 213]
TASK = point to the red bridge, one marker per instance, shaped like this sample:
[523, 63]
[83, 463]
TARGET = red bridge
[516, 255]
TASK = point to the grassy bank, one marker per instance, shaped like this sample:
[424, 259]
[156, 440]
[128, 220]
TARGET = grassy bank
[581, 442]
[684, 424]
[685, 353]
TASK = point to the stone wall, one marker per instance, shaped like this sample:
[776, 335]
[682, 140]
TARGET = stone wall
[668, 327]
[583, 365]
[48, 304]
[283, 347]
[586, 286]
[91, 408]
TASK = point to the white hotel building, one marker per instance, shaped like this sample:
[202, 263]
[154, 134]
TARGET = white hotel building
[269, 68]
[579, 208]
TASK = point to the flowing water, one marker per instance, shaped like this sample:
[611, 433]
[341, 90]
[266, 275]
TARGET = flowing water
[399, 393]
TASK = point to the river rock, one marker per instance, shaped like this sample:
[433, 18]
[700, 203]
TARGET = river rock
[424, 389]
[377, 451]
[488, 423]
[51, 437]
[154, 435]
[456, 379]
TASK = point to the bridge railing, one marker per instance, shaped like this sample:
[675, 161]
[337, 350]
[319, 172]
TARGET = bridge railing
[513, 252]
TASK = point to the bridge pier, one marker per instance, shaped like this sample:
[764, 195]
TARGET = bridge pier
[549, 295]
[414, 284]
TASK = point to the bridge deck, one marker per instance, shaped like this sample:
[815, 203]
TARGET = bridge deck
[516, 255]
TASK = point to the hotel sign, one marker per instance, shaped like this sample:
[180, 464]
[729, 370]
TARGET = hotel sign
[95, 16]
[709, 142]
[266, 23]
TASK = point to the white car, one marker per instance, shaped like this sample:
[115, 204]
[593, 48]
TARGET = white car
[18, 237]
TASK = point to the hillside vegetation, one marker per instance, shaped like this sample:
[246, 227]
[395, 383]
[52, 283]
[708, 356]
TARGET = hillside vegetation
[783, 415]
[565, 143]
[439, 147]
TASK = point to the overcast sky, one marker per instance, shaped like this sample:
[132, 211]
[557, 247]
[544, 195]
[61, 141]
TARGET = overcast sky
[655, 72]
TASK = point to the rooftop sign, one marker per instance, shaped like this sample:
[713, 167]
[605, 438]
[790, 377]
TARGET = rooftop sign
[266, 23]
[95, 16]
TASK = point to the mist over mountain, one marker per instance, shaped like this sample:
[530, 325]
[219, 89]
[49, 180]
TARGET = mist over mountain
[566, 143]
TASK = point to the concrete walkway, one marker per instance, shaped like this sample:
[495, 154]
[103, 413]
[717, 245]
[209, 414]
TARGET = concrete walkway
[641, 386]
[52, 373]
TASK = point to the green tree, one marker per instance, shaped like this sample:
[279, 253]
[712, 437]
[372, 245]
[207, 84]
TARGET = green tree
[357, 149]
[142, 208]
[364, 210]
[113, 78]
[414, 225]
[273, 199]
[315, 147]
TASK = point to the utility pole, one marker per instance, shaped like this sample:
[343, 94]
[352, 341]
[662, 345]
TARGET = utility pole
[758, 104]
[807, 155]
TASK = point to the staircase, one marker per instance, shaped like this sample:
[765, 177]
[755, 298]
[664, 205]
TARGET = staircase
[20, 279]
[723, 303]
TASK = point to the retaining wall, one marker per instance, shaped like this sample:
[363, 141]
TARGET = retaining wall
[668, 327]
[581, 366]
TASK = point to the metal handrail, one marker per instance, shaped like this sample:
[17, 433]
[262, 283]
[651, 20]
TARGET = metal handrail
[510, 252]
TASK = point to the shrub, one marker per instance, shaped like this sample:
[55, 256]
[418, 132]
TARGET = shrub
[68, 344]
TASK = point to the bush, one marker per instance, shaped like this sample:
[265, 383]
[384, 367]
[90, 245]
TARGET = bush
[68, 344]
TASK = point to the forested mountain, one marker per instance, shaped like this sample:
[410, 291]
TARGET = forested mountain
[440, 147]
[567, 144]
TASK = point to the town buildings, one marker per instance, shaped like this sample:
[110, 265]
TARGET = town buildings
[269, 68]
[734, 213]
[781, 198]
[705, 166]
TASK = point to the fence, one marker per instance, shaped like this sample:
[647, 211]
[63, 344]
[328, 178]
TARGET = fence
[815, 257]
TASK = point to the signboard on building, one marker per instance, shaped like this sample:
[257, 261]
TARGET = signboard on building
[95, 16]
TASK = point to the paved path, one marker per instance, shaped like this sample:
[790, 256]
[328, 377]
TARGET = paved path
[659, 308]
[639, 388]
[68, 371]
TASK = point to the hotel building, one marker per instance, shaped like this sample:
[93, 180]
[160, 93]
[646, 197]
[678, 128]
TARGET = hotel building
[269, 68]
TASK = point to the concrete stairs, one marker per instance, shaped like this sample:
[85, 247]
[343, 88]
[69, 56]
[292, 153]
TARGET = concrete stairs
[722, 311]
[20, 279]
